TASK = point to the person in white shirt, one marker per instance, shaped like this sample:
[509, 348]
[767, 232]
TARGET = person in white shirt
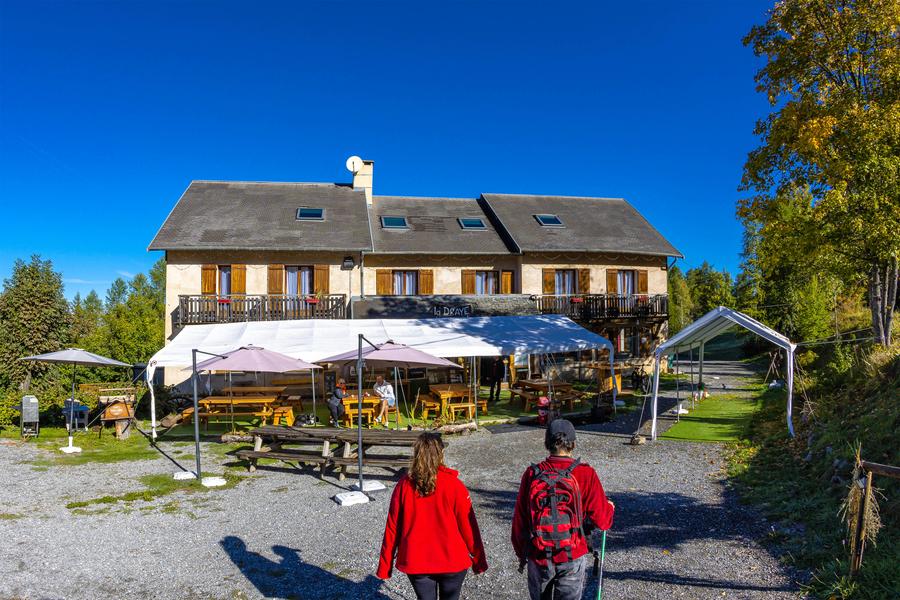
[385, 391]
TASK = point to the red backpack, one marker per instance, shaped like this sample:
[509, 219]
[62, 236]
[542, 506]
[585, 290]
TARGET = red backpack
[555, 501]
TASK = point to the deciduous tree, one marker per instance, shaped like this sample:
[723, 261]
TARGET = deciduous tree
[832, 76]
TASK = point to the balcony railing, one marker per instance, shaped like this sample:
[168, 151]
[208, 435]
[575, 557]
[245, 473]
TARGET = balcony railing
[589, 307]
[195, 310]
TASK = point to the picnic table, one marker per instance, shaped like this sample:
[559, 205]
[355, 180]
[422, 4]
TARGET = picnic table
[448, 392]
[331, 447]
[370, 403]
[544, 385]
[229, 406]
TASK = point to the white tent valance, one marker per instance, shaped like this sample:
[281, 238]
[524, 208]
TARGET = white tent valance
[314, 339]
[710, 325]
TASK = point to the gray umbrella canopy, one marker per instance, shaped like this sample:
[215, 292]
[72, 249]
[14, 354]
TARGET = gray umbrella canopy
[76, 356]
[391, 354]
[255, 358]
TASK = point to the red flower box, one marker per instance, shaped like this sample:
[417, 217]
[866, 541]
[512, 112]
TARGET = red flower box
[576, 300]
[224, 300]
[312, 300]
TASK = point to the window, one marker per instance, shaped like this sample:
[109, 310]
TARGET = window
[394, 223]
[224, 280]
[626, 283]
[298, 281]
[406, 283]
[305, 213]
[487, 282]
[566, 281]
[472, 223]
[549, 220]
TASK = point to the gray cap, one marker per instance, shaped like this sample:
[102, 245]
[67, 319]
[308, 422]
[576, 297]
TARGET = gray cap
[560, 426]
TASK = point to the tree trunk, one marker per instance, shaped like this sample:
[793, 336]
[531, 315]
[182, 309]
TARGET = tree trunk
[883, 298]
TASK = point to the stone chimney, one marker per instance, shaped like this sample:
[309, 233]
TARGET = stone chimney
[362, 175]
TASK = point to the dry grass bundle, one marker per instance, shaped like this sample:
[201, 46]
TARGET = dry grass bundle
[850, 508]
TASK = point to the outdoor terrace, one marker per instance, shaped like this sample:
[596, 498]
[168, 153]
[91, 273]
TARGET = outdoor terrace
[200, 309]
[593, 307]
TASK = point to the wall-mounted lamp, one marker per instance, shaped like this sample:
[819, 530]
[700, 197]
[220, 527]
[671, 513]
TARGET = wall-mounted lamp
[348, 263]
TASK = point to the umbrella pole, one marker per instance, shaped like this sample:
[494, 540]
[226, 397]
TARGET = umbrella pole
[231, 399]
[475, 390]
[312, 377]
[396, 401]
[359, 399]
[72, 408]
[196, 411]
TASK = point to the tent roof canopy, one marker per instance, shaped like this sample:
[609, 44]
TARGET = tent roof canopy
[315, 339]
[715, 322]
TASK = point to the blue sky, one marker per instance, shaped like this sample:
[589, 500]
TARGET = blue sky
[109, 109]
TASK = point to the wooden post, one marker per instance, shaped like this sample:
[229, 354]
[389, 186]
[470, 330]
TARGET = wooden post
[860, 533]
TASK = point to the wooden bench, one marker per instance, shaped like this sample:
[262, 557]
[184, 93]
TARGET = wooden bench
[527, 397]
[283, 413]
[457, 407]
[188, 414]
[309, 457]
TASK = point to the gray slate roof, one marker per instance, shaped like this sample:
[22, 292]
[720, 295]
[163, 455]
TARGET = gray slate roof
[221, 215]
[433, 227]
[590, 225]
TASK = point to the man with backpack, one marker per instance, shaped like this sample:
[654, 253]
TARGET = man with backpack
[560, 501]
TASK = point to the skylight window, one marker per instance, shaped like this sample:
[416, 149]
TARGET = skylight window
[394, 223]
[304, 213]
[472, 223]
[549, 220]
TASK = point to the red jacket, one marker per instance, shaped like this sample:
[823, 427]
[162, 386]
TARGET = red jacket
[598, 512]
[432, 534]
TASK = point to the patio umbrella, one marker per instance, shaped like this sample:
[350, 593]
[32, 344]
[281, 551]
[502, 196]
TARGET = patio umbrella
[384, 354]
[259, 360]
[75, 357]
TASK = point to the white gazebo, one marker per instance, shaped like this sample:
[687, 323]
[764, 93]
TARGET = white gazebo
[710, 325]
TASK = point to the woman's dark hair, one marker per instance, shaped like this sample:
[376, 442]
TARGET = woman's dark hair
[428, 455]
[558, 443]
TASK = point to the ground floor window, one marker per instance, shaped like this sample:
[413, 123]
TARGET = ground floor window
[487, 282]
[406, 283]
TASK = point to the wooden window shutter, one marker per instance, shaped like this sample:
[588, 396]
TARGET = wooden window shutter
[642, 285]
[549, 281]
[506, 282]
[468, 281]
[426, 281]
[275, 283]
[238, 279]
[584, 281]
[612, 281]
[321, 281]
[384, 282]
[208, 279]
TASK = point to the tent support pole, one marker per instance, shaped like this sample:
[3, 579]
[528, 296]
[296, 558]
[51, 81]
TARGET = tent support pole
[359, 399]
[790, 390]
[655, 394]
[196, 414]
[693, 392]
[677, 389]
[702, 348]
[475, 390]
[152, 402]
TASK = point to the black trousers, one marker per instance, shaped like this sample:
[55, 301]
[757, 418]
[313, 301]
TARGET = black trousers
[494, 393]
[446, 586]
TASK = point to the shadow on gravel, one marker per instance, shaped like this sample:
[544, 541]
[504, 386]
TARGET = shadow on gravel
[673, 579]
[290, 577]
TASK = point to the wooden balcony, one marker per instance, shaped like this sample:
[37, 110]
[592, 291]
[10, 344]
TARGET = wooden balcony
[593, 307]
[196, 310]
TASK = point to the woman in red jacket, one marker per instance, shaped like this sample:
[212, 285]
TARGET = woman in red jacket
[431, 526]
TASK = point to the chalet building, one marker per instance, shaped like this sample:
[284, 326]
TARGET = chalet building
[246, 251]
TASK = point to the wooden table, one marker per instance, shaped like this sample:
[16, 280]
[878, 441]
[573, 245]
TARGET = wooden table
[256, 406]
[253, 390]
[351, 405]
[333, 447]
[448, 392]
[544, 385]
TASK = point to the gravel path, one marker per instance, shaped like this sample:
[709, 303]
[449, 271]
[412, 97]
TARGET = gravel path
[678, 532]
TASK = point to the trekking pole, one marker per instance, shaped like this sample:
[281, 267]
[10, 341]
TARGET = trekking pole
[602, 558]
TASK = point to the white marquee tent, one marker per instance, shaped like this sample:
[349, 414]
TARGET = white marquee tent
[314, 339]
[707, 327]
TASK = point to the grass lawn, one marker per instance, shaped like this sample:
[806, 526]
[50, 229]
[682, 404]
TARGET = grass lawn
[94, 448]
[720, 418]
